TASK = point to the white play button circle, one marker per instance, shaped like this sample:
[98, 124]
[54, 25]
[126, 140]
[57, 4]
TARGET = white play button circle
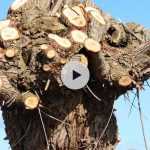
[75, 75]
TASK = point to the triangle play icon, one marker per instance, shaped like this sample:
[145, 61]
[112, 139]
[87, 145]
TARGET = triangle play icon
[76, 75]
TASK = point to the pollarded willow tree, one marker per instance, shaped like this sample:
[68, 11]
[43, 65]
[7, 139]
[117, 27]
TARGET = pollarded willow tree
[37, 40]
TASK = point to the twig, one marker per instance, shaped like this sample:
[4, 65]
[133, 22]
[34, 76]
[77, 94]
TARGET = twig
[131, 32]
[126, 97]
[10, 102]
[43, 126]
[132, 105]
[141, 119]
[93, 94]
[47, 84]
[144, 47]
[148, 84]
[63, 122]
[104, 130]
[21, 138]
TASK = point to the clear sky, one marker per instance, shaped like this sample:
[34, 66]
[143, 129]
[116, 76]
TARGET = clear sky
[129, 126]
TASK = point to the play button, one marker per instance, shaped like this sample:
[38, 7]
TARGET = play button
[75, 75]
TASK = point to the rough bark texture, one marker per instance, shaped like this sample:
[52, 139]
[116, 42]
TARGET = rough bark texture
[125, 51]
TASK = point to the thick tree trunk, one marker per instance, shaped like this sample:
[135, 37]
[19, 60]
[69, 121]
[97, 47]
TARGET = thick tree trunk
[84, 122]
[36, 41]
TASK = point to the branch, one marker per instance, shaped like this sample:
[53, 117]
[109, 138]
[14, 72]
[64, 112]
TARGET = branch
[9, 95]
[30, 100]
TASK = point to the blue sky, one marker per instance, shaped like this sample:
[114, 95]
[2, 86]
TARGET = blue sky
[129, 126]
